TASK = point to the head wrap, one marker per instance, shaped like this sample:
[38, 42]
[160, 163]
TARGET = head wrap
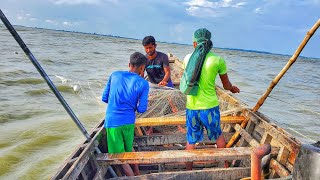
[189, 82]
[202, 36]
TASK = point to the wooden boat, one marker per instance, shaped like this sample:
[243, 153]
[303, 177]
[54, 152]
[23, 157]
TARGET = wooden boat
[161, 155]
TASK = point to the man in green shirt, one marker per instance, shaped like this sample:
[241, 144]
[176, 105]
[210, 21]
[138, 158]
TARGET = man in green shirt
[203, 108]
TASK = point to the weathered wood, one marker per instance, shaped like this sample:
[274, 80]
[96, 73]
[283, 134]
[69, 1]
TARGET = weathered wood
[247, 136]
[284, 139]
[153, 157]
[250, 127]
[289, 166]
[214, 173]
[160, 121]
[237, 134]
[83, 159]
[74, 157]
[266, 139]
[100, 173]
[162, 139]
[279, 169]
[283, 155]
[138, 131]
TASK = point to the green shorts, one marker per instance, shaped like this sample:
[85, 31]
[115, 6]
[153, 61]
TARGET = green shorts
[120, 139]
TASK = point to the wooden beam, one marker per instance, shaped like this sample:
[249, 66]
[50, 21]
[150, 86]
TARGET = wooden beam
[154, 157]
[161, 121]
[279, 135]
[278, 168]
[163, 139]
[213, 173]
[247, 136]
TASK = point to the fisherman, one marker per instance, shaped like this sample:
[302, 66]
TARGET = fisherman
[126, 92]
[202, 108]
[157, 67]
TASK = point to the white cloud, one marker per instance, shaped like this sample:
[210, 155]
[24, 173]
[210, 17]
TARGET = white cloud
[76, 2]
[25, 16]
[258, 11]
[202, 12]
[51, 22]
[67, 23]
[33, 19]
[206, 8]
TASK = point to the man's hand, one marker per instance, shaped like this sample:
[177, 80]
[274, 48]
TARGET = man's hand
[235, 89]
[162, 83]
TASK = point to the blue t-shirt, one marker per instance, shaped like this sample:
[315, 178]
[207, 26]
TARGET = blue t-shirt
[126, 92]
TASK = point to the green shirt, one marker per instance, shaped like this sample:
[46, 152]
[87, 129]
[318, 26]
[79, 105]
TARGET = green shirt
[206, 97]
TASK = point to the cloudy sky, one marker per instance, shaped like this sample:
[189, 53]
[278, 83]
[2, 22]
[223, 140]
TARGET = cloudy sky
[276, 26]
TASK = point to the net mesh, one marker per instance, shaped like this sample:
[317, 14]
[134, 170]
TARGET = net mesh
[170, 102]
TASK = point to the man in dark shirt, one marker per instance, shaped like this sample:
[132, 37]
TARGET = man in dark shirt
[157, 66]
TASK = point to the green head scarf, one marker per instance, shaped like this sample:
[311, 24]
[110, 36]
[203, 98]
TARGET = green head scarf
[189, 82]
[204, 45]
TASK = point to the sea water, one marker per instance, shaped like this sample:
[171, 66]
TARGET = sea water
[37, 134]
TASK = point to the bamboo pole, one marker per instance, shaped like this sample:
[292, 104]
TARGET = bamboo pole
[275, 81]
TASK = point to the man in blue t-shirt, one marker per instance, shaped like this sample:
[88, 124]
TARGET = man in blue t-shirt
[157, 67]
[126, 92]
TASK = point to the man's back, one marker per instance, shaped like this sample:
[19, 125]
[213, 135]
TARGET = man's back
[206, 97]
[122, 93]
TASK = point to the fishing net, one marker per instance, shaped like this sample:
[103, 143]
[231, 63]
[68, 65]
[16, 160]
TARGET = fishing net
[171, 102]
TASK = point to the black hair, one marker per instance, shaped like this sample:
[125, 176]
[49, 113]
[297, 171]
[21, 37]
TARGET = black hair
[147, 40]
[137, 59]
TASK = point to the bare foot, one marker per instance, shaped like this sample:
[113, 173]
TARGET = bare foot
[226, 164]
[181, 129]
[149, 131]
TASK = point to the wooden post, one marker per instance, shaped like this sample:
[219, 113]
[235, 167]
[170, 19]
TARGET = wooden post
[275, 81]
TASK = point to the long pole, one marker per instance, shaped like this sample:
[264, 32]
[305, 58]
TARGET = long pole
[47, 79]
[43, 74]
[276, 80]
[294, 57]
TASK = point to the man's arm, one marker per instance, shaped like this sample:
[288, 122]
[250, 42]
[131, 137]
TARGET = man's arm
[167, 72]
[227, 84]
[143, 101]
[166, 77]
[105, 94]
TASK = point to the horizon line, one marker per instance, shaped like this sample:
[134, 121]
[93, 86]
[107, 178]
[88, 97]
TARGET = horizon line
[116, 36]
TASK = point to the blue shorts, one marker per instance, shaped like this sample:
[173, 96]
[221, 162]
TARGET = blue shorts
[197, 119]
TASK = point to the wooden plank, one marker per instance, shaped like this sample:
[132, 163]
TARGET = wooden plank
[81, 162]
[163, 139]
[247, 136]
[153, 157]
[280, 135]
[100, 173]
[213, 173]
[289, 166]
[161, 121]
[266, 138]
[138, 131]
[283, 155]
[250, 127]
[65, 168]
[275, 133]
[278, 168]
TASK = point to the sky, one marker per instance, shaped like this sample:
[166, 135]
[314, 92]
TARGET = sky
[276, 26]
